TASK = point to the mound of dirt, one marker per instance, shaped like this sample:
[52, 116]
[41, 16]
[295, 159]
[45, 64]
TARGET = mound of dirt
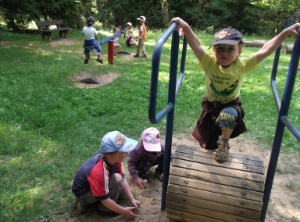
[101, 79]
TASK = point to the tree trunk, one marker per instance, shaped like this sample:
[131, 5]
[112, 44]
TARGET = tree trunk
[79, 21]
[10, 23]
[165, 12]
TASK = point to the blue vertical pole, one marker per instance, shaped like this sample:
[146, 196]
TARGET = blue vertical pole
[283, 113]
[170, 117]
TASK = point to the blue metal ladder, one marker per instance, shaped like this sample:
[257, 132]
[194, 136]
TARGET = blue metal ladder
[174, 85]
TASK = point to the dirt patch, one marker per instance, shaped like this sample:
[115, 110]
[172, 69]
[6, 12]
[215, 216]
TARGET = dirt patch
[127, 56]
[4, 43]
[283, 206]
[63, 41]
[102, 79]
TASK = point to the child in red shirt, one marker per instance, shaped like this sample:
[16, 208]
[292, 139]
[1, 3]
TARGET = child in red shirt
[101, 179]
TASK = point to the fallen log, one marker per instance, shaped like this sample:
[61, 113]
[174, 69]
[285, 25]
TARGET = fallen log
[287, 49]
[254, 43]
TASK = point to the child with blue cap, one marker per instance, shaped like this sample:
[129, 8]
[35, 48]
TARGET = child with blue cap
[101, 179]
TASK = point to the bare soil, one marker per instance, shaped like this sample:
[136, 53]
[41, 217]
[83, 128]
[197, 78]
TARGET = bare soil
[284, 204]
[103, 79]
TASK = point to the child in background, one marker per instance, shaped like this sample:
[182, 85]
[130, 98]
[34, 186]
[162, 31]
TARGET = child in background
[101, 179]
[222, 114]
[90, 40]
[181, 34]
[141, 38]
[148, 153]
[129, 32]
[117, 46]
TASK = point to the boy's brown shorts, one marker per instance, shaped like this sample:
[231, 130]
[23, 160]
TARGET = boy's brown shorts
[115, 187]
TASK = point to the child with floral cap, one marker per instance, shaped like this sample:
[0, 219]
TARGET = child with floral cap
[130, 34]
[149, 152]
[101, 179]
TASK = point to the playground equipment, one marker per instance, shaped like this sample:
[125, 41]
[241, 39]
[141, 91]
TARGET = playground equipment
[110, 51]
[110, 41]
[106, 40]
[199, 188]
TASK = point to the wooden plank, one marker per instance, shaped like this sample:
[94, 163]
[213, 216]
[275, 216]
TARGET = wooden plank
[214, 201]
[202, 185]
[201, 151]
[188, 217]
[191, 212]
[236, 171]
[199, 185]
[218, 179]
[227, 164]
[233, 157]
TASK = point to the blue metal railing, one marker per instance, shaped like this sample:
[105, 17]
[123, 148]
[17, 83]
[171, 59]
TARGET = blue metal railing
[172, 94]
[282, 122]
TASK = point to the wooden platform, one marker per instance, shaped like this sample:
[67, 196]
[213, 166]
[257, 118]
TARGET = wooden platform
[202, 189]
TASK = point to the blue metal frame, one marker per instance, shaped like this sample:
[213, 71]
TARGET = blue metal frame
[106, 40]
[283, 121]
[172, 94]
[282, 105]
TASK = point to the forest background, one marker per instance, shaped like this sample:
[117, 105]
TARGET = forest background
[263, 17]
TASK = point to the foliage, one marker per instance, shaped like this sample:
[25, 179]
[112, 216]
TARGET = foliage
[119, 12]
[63, 9]
[228, 14]
[275, 15]
[270, 15]
[192, 12]
[19, 13]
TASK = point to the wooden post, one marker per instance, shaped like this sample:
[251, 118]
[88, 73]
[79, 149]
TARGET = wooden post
[111, 51]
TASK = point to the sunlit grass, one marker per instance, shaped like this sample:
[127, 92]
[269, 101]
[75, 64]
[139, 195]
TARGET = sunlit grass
[48, 127]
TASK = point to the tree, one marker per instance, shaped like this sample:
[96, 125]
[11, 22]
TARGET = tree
[277, 13]
[269, 15]
[239, 14]
[18, 13]
[53, 9]
[165, 12]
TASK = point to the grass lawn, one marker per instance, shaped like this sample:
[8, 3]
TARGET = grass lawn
[49, 127]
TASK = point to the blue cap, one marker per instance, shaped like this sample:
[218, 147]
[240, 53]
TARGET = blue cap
[117, 142]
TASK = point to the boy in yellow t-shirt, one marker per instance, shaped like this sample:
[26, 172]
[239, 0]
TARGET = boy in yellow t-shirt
[222, 115]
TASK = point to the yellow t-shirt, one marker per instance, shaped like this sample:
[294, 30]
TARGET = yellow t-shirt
[223, 84]
[130, 32]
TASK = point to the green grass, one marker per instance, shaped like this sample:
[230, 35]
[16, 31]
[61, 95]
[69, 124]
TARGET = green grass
[48, 127]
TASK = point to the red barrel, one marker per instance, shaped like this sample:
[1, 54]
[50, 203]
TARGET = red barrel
[111, 51]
